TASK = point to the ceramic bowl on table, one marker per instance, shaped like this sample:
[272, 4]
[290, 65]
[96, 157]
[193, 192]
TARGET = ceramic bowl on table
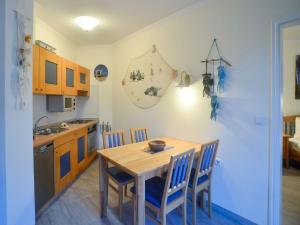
[157, 145]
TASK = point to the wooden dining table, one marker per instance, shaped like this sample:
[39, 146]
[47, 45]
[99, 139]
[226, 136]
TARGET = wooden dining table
[138, 161]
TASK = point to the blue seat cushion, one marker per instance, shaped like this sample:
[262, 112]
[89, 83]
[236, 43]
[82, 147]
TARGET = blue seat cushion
[119, 175]
[154, 189]
[200, 179]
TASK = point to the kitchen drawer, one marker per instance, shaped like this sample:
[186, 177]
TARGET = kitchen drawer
[64, 139]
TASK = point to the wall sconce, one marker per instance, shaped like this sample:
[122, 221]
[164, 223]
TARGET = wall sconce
[185, 80]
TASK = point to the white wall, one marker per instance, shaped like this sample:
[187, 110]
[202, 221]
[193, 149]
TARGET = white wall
[291, 48]
[43, 32]
[243, 29]
[18, 123]
[91, 56]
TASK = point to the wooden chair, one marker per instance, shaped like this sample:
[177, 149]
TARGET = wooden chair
[200, 179]
[119, 177]
[164, 195]
[138, 134]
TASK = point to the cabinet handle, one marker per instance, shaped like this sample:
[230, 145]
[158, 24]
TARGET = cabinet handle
[41, 89]
[36, 89]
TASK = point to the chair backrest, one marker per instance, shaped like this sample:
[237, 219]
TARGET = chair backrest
[178, 174]
[206, 160]
[289, 125]
[113, 139]
[138, 134]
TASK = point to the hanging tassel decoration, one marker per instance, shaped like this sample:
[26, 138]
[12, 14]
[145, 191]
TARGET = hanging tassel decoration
[209, 81]
[214, 103]
[221, 78]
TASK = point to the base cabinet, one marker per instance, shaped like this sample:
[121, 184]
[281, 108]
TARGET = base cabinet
[81, 150]
[71, 158]
[64, 165]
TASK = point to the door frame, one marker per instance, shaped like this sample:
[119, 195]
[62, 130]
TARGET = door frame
[2, 115]
[275, 150]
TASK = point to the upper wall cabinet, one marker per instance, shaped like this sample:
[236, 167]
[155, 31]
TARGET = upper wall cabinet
[50, 72]
[69, 78]
[83, 80]
[54, 75]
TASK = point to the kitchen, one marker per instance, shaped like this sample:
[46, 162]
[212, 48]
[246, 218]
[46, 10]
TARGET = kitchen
[67, 119]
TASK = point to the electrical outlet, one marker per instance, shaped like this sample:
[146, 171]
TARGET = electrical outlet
[218, 162]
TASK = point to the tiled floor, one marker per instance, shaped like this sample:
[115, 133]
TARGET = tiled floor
[291, 197]
[79, 206]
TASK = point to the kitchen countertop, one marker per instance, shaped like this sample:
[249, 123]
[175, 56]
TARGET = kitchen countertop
[44, 139]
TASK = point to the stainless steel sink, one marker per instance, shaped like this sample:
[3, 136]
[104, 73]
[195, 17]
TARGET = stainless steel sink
[49, 130]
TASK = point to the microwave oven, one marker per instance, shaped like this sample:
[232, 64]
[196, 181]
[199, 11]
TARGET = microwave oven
[61, 103]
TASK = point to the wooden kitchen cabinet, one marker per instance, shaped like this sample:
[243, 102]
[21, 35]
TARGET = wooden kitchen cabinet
[49, 72]
[83, 81]
[69, 78]
[64, 165]
[81, 150]
[54, 75]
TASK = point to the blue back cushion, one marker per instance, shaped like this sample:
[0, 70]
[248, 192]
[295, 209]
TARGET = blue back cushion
[207, 158]
[179, 171]
[139, 135]
[113, 140]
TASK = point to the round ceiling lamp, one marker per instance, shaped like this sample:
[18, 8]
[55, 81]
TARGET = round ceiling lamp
[87, 23]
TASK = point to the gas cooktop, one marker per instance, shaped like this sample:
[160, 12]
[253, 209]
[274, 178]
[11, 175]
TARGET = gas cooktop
[80, 121]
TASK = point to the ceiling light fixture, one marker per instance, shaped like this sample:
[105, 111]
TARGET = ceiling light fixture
[87, 23]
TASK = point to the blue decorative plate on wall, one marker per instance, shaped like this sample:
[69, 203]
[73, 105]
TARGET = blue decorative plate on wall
[101, 72]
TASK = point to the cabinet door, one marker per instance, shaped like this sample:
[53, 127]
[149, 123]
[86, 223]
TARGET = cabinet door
[81, 150]
[69, 80]
[64, 165]
[50, 73]
[83, 79]
[35, 69]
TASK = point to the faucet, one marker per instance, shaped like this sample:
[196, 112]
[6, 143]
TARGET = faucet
[37, 122]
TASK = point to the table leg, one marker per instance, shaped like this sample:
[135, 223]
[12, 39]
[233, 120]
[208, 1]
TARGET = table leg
[103, 189]
[140, 198]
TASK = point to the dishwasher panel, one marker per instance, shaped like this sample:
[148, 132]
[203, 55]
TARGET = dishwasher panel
[92, 139]
[43, 175]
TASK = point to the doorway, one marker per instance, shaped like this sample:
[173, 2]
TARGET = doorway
[291, 124]
[277, 213]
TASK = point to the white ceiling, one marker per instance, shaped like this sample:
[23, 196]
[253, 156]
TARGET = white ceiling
[291, 33]
[119, 17]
